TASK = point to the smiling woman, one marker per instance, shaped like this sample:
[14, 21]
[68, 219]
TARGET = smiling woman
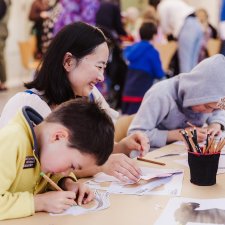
[72, 66]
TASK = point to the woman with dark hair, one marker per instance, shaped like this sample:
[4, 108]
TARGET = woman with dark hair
[72, 66]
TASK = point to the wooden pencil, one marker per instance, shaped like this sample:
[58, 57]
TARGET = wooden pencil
[51, 182]
[151, 161]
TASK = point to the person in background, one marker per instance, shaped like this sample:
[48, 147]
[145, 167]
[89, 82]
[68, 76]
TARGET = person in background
[208, 29]
[144, 65]
[73, 64]
[189, 97]
[74, 11]
[222, 26]
[38, 13]
[131, 17]
[115, 73]
[108, 16]
[4, 16]
[54, 146]
[178, 19]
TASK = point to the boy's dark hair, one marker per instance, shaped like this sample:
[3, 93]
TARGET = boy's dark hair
[80, 39]
[91, 130]
[147, 30]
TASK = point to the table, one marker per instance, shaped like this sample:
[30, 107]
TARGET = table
[131, 209]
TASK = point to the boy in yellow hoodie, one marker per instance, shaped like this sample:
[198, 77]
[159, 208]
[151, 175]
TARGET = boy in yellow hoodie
[78, 134]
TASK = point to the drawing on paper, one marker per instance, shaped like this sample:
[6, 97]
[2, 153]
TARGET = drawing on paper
[187, 211]
[190, 212]
[100, 202]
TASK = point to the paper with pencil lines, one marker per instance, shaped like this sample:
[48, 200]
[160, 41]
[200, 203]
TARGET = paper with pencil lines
[153, 182]
[100, 202]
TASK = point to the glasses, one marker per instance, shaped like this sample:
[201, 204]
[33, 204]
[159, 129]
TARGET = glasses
[221, 103]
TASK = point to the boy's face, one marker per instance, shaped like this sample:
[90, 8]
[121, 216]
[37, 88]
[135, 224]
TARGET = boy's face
[205, 108]
[57, 157]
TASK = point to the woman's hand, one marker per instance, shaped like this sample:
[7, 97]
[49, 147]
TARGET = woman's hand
[136, 141]
[121, 167]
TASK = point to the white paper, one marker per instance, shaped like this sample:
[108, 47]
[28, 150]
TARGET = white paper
[169, 179]
[100, 202]
[187, 211]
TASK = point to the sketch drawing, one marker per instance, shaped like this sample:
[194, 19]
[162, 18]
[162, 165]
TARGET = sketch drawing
[189, 212]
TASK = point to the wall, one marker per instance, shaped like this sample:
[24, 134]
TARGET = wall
[19, 29]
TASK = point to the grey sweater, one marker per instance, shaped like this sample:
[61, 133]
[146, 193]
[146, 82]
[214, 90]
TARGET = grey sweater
[167, 105]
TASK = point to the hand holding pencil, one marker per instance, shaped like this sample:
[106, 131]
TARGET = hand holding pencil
[214, 129]
[54, 201]
[81, 193]
[201, 132]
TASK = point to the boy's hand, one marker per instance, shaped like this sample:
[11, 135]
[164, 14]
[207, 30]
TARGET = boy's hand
[136, 141]
[54, 201]
[83, 193]
[122, 167]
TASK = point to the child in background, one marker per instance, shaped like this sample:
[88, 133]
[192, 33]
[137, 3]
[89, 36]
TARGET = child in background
[144, 66]
[78, 134]
[189, 97]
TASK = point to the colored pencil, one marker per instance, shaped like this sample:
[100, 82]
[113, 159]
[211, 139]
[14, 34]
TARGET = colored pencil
[51, 182]
[151, 161]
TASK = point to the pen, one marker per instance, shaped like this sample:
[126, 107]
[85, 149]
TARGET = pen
[151, 161]
[51, 182]
[167, 155]
[190, 124]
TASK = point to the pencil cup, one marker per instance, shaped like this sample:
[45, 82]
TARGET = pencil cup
[203, 168]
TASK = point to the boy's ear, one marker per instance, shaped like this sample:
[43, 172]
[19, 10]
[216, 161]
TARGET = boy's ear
[59, 135]
[68, 62]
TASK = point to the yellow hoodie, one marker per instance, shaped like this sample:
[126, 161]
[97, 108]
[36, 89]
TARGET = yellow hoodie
[19, 166]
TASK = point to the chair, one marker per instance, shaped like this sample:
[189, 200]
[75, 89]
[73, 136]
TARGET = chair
[27, 49]
[166, 52]
[122, 126]
[213, 46]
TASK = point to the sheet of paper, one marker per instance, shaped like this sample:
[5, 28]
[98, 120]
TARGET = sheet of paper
[193, 212]
[155, 181]
[100, 202]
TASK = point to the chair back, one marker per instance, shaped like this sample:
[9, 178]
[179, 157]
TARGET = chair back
[27, 49]
[166, 52]
[122, 126]
[213, 46]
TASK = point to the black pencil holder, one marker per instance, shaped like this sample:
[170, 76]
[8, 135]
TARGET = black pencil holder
[203, 168]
